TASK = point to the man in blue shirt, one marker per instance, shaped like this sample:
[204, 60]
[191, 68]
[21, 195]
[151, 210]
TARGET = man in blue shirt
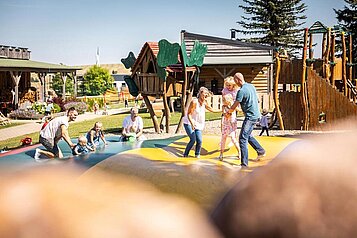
[247, 98]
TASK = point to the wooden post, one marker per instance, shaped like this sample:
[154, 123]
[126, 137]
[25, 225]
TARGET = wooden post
[16, 76]
[42, 77]
[183, 101]
[326, 56]
[350, 76]
[64, 78]
[152, 113]
[311, 51]
[166, 109]
[276, 96]
[344, 64]
[303, 84]
[75, 84]
[332, 58]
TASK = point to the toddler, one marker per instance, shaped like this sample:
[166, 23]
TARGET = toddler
[95, 134]
[263, 122]
[81, 148]
[228, 124]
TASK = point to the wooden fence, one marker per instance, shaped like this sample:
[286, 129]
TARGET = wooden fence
[326, 104]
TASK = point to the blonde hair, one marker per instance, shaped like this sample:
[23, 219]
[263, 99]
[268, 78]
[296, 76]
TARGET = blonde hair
[82, 139]
[203, 90]
[227, 100]
[230, 80]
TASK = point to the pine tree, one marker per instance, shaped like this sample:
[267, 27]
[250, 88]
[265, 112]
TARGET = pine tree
[274, 22]
[347, 18]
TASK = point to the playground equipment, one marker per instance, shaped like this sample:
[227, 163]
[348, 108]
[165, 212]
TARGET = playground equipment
[163, 70]
[310, 93]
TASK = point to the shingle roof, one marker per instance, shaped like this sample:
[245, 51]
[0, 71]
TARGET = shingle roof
[227, 51]
[29, 65]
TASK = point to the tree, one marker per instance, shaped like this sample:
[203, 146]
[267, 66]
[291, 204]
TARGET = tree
[274, 22]
[97, 80]
[57, 84]
[347, 18]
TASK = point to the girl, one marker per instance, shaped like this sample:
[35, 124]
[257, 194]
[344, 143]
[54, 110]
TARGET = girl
[230, 87]
[194, 121]
[95, 134]
[228, 125]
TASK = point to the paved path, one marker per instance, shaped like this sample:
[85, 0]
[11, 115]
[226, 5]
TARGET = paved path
[31, 126]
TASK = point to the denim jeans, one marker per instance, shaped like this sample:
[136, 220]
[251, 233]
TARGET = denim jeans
[245, 137]
[195, 136]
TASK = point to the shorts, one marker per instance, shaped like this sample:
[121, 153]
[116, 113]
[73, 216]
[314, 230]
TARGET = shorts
[51, 147]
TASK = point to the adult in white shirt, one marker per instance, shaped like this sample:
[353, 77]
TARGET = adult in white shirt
[133, 126]
[54, 131]
[194, 121]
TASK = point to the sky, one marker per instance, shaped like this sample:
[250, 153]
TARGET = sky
[70, 31]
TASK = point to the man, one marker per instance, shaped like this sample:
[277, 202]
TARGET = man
[133, 125]
[247, 98]
[55, 130]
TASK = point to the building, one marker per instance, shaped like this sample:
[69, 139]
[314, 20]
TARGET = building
[15, 76]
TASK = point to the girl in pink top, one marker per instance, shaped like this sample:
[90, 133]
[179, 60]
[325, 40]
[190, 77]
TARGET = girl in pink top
[228, 125]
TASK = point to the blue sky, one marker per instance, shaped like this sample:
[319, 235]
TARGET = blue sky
[69, 31]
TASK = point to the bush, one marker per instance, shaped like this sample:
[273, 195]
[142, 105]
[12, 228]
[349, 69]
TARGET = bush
[81, 107]
[39, 107]
[60, 102]
[25, 114]
[56, 108]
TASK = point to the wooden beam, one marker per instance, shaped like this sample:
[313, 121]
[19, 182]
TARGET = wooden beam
[42, 77]
[303, 83]
[344, 64]
[152, 113]
[64, 78]
[332, 58]
[276, 96]
[16, 77]
[166, 109]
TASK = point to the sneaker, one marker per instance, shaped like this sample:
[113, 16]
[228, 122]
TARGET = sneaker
[37, 154]
[220, 157]
[260, 156]
[197, 156]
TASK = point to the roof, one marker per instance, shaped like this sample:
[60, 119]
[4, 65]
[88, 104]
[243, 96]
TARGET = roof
[154, 48]
[227, 51]
[34, 66]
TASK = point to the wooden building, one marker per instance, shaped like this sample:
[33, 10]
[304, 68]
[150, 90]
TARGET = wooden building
[225, 57]
[15, 79]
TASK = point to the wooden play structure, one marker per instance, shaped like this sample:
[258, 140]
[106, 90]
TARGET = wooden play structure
[163, 70]
[310, 93]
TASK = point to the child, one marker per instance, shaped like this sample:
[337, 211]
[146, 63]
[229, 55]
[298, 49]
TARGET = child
[96, 108]
[264, 122]
[81, 148]
[95, 134]
[228, 124]
[230, 87]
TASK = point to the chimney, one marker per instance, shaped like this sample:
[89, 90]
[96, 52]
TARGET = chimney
[233, 34]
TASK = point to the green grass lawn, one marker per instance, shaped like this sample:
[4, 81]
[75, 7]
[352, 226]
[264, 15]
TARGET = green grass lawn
[111, 124]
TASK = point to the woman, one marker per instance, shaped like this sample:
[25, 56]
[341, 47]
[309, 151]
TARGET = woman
[194, 121]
